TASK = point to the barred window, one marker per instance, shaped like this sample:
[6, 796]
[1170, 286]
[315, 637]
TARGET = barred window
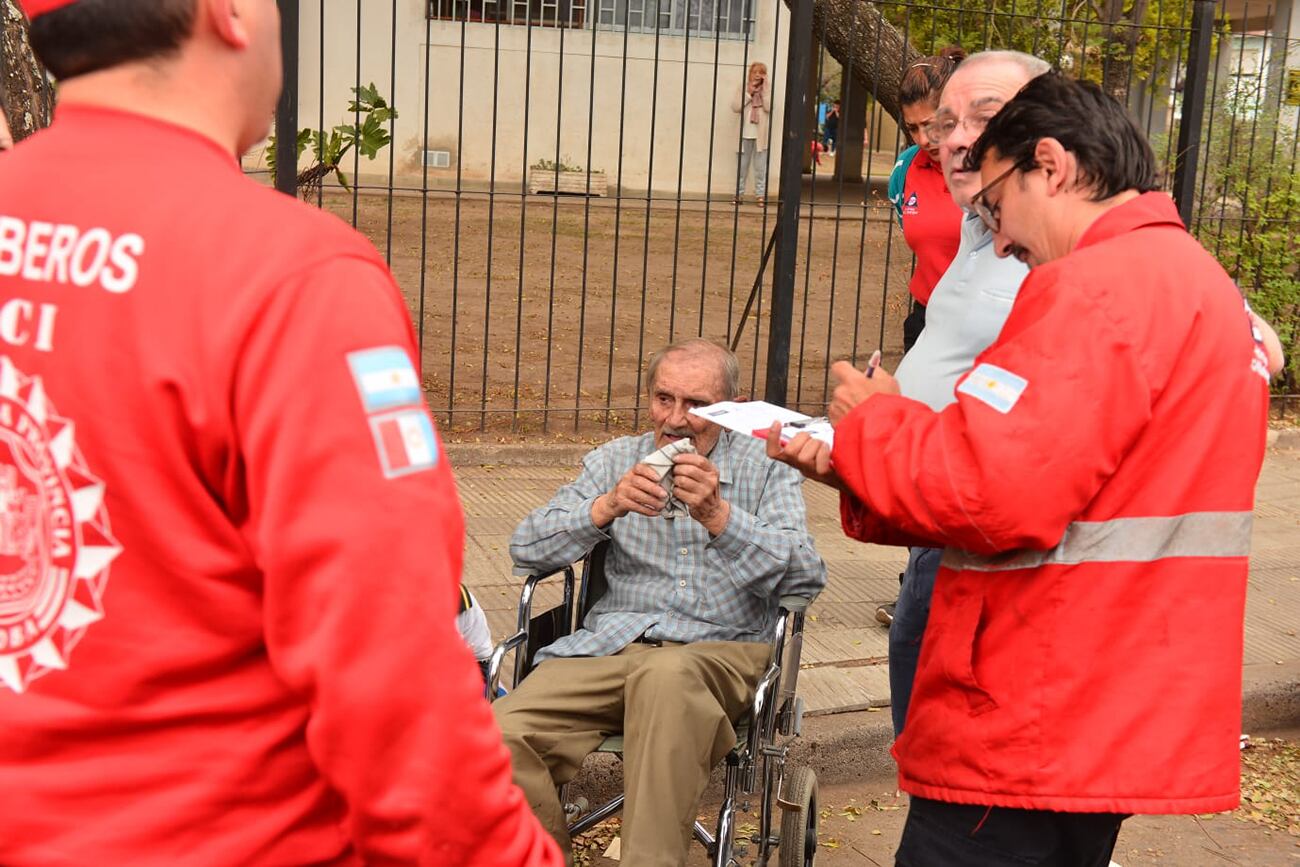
[728, 18]
[539, 13]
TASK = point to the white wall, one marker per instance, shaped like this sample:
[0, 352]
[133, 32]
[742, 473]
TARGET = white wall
[500, 64]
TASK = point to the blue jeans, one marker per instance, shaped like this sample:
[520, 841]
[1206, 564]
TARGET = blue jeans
[751, 155]
[910, 615]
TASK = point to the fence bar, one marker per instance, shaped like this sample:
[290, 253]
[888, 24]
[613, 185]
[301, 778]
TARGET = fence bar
[708, 182]
[456, 217]
[681, 165]
[356, 119]
[794, 140]
[555, 222]
[320, 84]
[286, 113]
[773, 75]
[1194, 93]
[586, 232]
[813, 136]
[618, 226]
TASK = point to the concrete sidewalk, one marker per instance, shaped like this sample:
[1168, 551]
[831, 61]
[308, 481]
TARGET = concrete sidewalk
[845, 651]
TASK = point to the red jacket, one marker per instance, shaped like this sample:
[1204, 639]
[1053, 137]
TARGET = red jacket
[1093, 485]
[229, 540]
[931, 223]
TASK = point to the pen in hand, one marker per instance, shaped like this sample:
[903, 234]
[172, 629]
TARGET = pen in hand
[873, 363]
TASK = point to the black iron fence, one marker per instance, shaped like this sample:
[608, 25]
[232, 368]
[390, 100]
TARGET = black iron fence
[554, 182]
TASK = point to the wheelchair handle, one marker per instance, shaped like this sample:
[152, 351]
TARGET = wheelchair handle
[498, 656]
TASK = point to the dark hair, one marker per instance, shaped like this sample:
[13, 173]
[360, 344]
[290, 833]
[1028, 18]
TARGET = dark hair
[91, 35]
[1112, 153]
[925, 78]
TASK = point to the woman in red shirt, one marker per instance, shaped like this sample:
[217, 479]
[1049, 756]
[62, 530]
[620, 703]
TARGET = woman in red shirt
[930, 219]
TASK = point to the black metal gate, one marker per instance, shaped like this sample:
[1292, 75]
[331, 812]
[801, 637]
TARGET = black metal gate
[553, 181]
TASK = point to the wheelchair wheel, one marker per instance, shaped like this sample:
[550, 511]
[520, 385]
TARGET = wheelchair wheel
[799, 819]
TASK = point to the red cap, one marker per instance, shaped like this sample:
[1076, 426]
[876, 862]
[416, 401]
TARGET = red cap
[35, 8]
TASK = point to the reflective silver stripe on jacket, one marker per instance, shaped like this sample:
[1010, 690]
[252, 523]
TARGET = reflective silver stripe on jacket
[1125, 540]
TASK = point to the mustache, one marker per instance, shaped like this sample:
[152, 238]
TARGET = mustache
[678, 432]
[1018, 252]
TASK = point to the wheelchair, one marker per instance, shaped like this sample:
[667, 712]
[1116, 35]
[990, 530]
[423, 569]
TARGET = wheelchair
[762, 734]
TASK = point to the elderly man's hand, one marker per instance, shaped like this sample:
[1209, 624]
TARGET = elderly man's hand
[855, 387]
[638, 491]
[812, 457]
[695, 483]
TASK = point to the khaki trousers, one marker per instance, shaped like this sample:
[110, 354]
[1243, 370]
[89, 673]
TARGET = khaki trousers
[674, 705]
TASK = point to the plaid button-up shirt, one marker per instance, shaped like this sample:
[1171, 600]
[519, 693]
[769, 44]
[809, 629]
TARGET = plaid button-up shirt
[669, 579]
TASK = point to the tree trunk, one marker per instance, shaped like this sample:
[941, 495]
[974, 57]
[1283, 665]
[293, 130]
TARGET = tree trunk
[1120, 33]
[26, 96]
[858, 36]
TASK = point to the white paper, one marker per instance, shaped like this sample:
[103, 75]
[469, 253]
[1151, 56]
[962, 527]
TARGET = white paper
[755, 417]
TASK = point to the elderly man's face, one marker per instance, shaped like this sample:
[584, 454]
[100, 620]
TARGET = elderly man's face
[969, 100]
[684, 381]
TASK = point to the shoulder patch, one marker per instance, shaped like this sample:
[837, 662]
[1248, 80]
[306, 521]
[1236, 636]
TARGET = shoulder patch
[384, 377]
[405, 442]
[994, 386]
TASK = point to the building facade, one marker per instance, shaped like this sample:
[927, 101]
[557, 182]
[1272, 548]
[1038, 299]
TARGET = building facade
[639, 90]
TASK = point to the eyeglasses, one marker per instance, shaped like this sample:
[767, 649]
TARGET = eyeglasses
[992, 214]
[939, 129]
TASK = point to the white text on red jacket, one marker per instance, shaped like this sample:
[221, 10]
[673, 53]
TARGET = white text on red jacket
[61, 253]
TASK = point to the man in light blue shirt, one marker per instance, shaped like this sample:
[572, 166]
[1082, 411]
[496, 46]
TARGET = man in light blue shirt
[965, 315]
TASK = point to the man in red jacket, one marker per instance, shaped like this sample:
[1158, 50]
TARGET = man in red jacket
[230, 540]
[1093, 487]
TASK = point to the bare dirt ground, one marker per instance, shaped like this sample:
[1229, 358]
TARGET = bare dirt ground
[860, 824]
[540, 315]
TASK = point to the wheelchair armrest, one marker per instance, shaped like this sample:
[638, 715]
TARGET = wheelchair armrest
[523, 638]
[498, 657]
[530, 587]
[795, 604]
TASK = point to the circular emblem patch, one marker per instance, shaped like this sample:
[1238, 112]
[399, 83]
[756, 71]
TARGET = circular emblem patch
[55, 540]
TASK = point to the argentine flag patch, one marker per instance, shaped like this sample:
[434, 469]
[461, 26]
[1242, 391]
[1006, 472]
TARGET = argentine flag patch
[385, 378]
[994, 386]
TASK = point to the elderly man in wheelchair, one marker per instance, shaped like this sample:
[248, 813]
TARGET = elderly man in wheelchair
[704, 550]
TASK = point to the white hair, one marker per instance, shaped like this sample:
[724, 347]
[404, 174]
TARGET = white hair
[1032, 66]
[728, 366]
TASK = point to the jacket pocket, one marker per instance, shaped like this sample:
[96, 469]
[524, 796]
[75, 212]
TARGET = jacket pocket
[959, 659]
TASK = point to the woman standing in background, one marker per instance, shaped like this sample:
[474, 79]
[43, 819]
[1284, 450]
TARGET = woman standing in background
[753, 102]
[930, 219]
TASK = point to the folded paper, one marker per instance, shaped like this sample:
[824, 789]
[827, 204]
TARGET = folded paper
[661, 461]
